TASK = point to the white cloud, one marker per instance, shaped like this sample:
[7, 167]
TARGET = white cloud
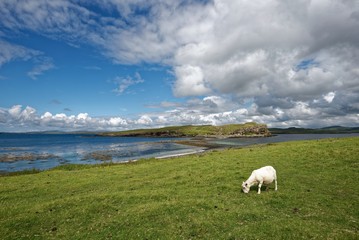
[83, 116]
[42, 67]
[164, 105]
[117, 121]
[299, 55]
[10, 52]
[280, 62]
[15, 111]
[51, 18]
[190, 81]
[28, 114]
[217, 101]
[329, 97]
[17, 119]
[125, 83]
[144, 120]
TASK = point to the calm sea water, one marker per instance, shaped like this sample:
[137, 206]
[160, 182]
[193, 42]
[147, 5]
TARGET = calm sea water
[43, 151]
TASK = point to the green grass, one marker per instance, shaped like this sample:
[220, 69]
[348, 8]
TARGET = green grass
[192, 197]
[246, 129]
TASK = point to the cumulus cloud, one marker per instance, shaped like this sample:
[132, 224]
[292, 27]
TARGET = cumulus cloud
[28, 114]
[18, 118]
[281, 56]
[144, 120]
[190, 81]
[286, 63]
[117, 122]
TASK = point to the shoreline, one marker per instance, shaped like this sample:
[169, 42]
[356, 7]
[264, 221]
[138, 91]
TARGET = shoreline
[9, 162]
[181, 154]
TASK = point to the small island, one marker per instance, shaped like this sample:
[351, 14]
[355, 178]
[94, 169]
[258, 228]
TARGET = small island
[251, 129]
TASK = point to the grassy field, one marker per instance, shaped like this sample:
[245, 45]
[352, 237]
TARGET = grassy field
[192, 197]
[246, 129]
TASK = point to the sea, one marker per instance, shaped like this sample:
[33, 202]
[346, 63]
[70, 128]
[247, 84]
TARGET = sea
[19, 151]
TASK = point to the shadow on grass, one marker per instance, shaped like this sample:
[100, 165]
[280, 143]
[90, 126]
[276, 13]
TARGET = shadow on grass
[263, 189]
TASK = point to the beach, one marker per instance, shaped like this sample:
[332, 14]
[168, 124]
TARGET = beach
[20, 152]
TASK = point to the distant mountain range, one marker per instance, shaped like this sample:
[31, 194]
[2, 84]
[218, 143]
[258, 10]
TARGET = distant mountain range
[325, 130]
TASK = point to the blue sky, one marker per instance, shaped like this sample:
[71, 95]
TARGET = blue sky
[115, 65]
[80, 79]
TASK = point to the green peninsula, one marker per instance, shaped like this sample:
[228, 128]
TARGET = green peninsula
[251, 129]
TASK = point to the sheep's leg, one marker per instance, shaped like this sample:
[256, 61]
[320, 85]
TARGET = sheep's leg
[259, 187]
[276, 188]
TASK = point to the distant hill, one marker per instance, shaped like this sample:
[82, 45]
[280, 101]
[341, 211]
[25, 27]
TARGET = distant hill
[230, 130]
[325, 130]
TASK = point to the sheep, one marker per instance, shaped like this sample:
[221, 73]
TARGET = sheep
[265, 175]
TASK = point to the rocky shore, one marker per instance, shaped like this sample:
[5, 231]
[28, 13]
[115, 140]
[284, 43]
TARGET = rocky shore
[9, 157]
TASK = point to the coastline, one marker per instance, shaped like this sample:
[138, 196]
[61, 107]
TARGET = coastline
[181, 193]
[228, 130]
[181, 154]
[114, 150]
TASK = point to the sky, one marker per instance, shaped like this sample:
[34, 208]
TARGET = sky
[112, 65]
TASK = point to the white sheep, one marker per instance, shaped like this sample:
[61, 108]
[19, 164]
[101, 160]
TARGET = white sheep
[265, 175]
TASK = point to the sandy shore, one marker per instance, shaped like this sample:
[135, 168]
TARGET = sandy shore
[180, 154]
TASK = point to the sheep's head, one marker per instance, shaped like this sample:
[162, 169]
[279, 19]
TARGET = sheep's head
[245, 187]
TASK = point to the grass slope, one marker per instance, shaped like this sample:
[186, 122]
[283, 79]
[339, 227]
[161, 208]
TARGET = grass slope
[246, 129]
[192, 197]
